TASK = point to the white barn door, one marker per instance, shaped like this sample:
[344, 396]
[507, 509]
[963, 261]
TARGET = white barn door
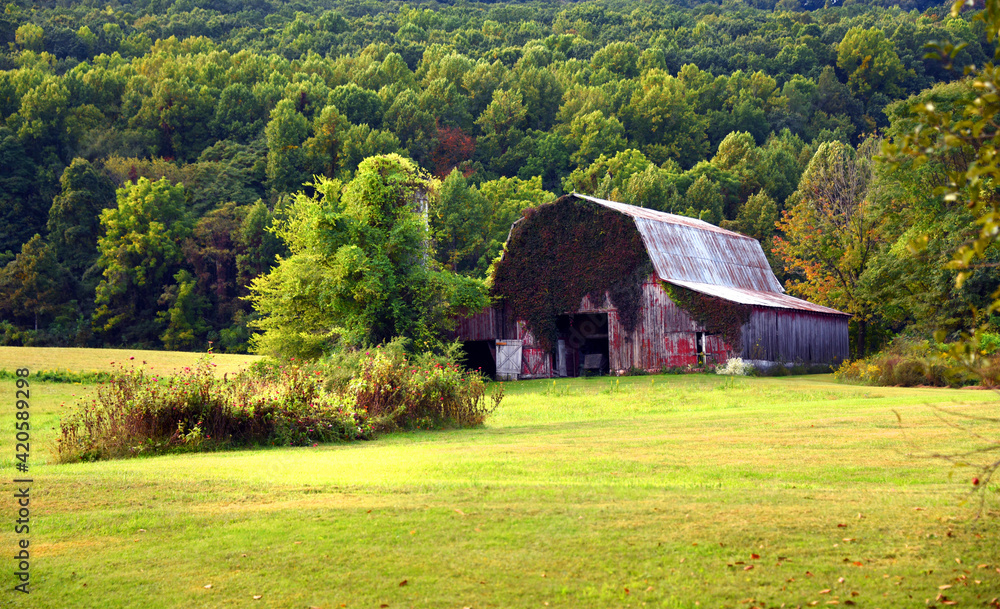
[508, 359]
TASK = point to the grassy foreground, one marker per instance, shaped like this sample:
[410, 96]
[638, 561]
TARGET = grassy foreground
[695, 491]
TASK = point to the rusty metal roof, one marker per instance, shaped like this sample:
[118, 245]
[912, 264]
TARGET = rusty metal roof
[753, 297]
[700, 256]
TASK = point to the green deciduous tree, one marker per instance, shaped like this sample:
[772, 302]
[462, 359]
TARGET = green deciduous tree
[662, 121]
[591, 135]
[74, 219]
[704, 199]
[870, 61]
[360, 270]
[140, 252]
[457, 222]
[184, 317]
[286, 132]
[34, 286]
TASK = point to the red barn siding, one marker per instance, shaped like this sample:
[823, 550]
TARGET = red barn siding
[536, 362]
[666, 336]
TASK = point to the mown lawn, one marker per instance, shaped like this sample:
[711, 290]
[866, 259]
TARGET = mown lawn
[661, 491]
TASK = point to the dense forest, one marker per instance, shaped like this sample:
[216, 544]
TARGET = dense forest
[151, 151]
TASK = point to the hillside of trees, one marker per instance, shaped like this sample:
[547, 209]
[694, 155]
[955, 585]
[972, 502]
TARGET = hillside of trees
[150, 151]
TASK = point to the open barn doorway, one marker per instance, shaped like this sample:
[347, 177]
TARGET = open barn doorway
[480, 355]
[584, 346]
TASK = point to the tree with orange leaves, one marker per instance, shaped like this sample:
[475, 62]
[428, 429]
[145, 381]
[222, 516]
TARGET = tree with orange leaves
[830, 233]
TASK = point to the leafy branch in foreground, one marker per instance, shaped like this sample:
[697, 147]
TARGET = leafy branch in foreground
[966, 135]
[982, 460]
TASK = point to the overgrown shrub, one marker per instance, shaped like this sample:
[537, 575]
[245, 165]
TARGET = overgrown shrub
[282, 404]
[912, 363]
[138, 413]
[397, 390]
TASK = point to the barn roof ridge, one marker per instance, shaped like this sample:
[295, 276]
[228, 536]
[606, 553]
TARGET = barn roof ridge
[659, 216]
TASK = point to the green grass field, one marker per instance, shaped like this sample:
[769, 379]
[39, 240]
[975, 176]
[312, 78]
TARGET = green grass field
[660, 491]
[107, 360]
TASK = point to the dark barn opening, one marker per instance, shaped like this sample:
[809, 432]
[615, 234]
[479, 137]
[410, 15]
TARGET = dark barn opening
[583, 335]
[480, 356]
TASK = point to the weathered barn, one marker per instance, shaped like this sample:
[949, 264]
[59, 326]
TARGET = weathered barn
[588, 284]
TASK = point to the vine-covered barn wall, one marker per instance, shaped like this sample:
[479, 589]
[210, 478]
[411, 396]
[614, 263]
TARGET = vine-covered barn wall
[564, 251]
[716, 315]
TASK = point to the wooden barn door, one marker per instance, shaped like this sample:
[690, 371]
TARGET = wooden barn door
[508, 359]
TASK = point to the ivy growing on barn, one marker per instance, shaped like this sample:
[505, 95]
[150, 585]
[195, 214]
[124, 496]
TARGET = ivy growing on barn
[565, 250]
[716, 315]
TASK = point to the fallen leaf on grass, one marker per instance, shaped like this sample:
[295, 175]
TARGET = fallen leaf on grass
[840, 580]
[413, 532]
[944, 587]
[403, 583]
[748, 567]
[208, 587]
[841, 526]
[857, 563]
[850, 539]
[814, 603]
[257, 597]
[983, 567]
[826, 591]
[459, 512]
[754, 556]
[649, 589]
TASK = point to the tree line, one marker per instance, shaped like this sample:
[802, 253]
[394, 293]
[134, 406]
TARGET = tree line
[152, 151]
